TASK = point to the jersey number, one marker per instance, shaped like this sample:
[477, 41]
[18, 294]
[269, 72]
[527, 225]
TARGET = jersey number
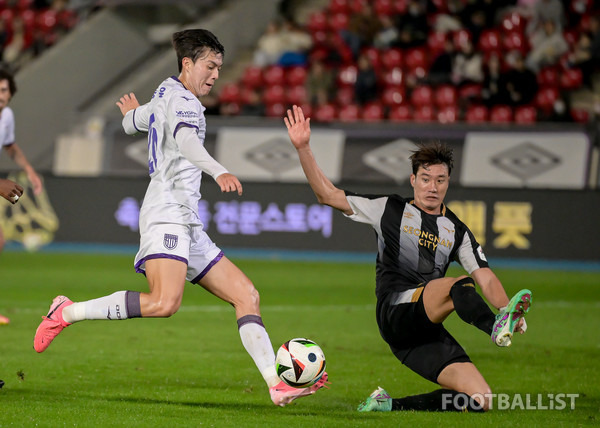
[152, 143]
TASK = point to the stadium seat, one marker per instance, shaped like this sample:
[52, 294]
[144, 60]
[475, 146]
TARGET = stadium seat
[580, 115]
[424, 113]
[476, 114]
[490, 41]
[67, 18]
[421, 96]
[356, 6]
[296, 95]
[447, 114]
[349, 113]
[460, 37]
[393, 96]
[445, 95]
[571, 78]
[415, 58]
[273, 95]
[501, 114]
[338, 21]
[401, 113]
[252, 77]
[373, 112]
[230, 93]
[513, 22]
[435, 42]
[391, 58]
[317, 21]
[275, 110]
[325, 113]
[21, 5]
[470, 91]
[525, 114]
[344, 95]
[46, 21]
[400, 6]
[346, 75]
[338, 6]
[440, 5]
[295, 76]
[7, 15]
[546, 97]
[548, 76]
[393, 77]
[515, 41]
[571, 36]
[374, 56]
[274, 75]
[384, 7]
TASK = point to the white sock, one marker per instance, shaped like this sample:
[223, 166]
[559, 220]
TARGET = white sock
[257, 343]
[112, 307]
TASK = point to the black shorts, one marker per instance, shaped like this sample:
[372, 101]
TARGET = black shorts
[424, 347]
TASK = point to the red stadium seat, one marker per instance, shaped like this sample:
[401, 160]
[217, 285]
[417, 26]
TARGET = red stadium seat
[393, 96]
[546, 97]
[67, 18]
[344, 95]
[339, 6]
[460, 37]
[571, 37]
[513, 22]
[325, 113]
[470, 91]
[317, 21]
[435, 42]
[400, 6]
[580, 115]
[501, 114]
[7, 15]
[401, 113]
[338, 21]
[373, 112]
[356, 6]
[295, 76]
[416, 58]
[274, 75]
[252, 77]
[424, 113]
[447, 114]
[296, 95]
[548, 76]
[22, 5]
[275, 110]
[374, 56]
[391, 58]
[490, 41]
[515, 41]
[446, 95]
[230, 93]
[525, 114]
[384, 7]
[274, 94]
[571, 78]
[46, 20]
[421, 96]
[349, 113]
[393, 77]
[346, 75]
[476, 114]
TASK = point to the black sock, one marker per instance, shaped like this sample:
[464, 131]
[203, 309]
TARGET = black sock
[440, 400]
[470, 306]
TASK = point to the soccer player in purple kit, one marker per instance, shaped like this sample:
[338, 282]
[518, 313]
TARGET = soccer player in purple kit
[417, 239]
[173, 246]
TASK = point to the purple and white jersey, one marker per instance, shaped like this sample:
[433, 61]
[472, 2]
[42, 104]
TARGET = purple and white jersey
[174, 179]
[7, 127]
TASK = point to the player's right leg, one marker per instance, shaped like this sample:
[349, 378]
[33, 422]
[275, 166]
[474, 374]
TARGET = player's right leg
[166, 279]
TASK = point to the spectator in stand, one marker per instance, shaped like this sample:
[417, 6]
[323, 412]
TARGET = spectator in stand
[365, 88]
[547, 46]
[270, 46]
[413, 26]
[296, 44]
[15, 50]
[319, 82]
[586, 52]
[387, 35]
[521, 82]
[467, 67]
[362, 29]
[543, 11]
[494, 91]
[440, 70]
[254, 105]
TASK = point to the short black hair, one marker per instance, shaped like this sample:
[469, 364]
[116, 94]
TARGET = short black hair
[194, 43]
[434, 153]
[6, 75]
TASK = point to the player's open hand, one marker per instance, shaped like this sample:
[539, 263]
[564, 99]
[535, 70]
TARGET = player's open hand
[10, 190]
[229, 183]
[298, 127]
[127, 102]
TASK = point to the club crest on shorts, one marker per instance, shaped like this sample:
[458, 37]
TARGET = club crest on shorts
[170, 241]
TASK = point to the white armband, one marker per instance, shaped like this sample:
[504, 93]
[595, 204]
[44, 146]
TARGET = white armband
[192, 149]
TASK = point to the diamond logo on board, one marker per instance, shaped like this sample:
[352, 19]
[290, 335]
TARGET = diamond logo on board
[526, 160]
[392, 159]
[276, 155]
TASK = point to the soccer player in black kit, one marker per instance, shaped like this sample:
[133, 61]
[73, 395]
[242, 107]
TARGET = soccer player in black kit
[417, 239]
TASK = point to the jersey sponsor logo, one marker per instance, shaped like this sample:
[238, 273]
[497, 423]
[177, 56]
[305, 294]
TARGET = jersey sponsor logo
[186, 113]
[408, 214]
[428, 239]
[170, 241]
[448, 230]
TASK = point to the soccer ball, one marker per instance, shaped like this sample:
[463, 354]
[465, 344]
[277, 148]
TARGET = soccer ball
[300, 362]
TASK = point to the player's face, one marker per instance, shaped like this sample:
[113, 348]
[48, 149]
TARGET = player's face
[430, 186]
[5, 95]
[200, 76]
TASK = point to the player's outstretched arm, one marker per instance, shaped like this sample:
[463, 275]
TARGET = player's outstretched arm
[229, 183]
[135, 117]
[10, 190]
[127, 103]
[17, 155]
[299, 132]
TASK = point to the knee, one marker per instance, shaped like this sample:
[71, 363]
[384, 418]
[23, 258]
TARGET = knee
[249, 298]
[165, 307]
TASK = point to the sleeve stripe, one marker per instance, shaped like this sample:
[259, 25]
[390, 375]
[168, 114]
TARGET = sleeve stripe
[183, 124]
